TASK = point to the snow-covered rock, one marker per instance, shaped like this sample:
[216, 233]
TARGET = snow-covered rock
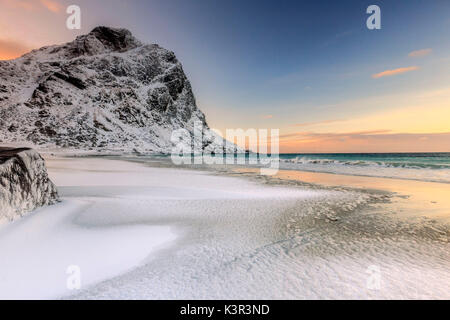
[24, 183]
[105, 91]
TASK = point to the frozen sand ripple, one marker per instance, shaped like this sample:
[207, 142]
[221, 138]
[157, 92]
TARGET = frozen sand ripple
[255, 241]
[271, 242]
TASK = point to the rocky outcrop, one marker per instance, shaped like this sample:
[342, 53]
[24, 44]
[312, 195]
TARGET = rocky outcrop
[103, 91]
[24, 183]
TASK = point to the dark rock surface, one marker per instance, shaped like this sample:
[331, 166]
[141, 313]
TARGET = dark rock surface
[103, 91]
[24, 183]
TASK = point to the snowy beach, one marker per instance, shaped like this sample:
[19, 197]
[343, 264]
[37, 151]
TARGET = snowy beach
[147, 230]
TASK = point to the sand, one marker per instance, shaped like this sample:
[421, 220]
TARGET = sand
[138, 231]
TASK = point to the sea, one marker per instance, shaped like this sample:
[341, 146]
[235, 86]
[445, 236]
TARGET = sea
[433, 167]
[429, 167]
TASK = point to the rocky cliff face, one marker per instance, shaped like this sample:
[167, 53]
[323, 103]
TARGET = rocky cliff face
[24, 183]
[104, 91]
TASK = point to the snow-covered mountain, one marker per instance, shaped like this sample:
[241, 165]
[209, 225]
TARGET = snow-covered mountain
[105, 91]
[24, 183]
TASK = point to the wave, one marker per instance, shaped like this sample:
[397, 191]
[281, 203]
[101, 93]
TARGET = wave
[363, 163]
[409, 169]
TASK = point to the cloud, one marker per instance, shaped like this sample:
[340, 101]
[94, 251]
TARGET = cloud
[31, 5]
[298, 136]
[267, 116]
[434, 93]
[10, 49]
[52, 5]
[365, 141]
[420, 53]
[20, 4]
[307, 124]
[394, 72]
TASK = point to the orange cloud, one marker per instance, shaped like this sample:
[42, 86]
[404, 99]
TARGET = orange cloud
[10, 49]
[375, 141]
[267, 116]
[52, 5]
[420, 53]
[394, 72]
[298, 136]
[307, 124]
[20, 4]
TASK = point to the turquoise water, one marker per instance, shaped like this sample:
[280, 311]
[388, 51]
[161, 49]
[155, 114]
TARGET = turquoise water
[433, 167]
[396, 160]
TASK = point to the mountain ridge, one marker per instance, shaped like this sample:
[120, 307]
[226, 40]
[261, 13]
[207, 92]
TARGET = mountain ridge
[104, 91]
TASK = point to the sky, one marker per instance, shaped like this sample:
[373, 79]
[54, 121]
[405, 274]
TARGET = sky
[311, 69]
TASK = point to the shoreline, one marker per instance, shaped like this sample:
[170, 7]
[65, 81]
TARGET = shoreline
[410, 197]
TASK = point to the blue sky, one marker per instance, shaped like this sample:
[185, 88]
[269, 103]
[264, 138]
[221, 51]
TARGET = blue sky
[267, 57]
[280, 63]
